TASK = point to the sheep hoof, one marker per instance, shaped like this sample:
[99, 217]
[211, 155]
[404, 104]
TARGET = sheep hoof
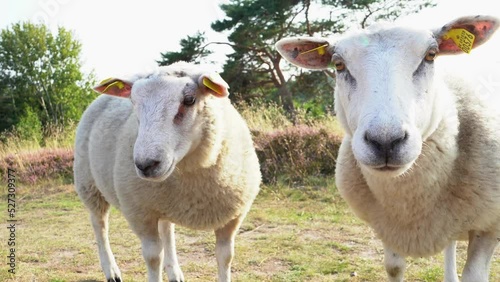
[115, 279]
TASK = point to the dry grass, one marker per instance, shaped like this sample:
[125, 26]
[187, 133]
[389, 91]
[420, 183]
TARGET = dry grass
[291, 234]
[268, 117]
[56, 138]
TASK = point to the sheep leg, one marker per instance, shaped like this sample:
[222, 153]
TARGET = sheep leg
[224, 248]
[450, 263]
[99, 215]
[394, 265]
[170, 263]
[146, 229]
[108, 263]
[479, 252]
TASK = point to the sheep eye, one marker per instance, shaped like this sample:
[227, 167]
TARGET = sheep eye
[339, 66]
[189, 100]
[430, 55]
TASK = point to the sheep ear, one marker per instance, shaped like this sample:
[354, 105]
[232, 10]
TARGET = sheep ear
[309, 53]
[465, 34]
[214, 84]
[115, 87]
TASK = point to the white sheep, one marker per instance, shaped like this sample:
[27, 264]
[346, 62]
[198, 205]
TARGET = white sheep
[175, 152]
[420, 161]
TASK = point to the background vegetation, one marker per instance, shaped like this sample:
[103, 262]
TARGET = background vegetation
[299, 228]
[42, 89]
[254, 69]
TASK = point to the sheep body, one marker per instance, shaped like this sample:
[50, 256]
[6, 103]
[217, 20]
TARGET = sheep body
[454, 186]
[212, 185]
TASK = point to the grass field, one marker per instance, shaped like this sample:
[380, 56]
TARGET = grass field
[304, 233]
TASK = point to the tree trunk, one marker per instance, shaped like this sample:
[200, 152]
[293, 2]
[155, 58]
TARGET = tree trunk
[287, 102]
[283, 91]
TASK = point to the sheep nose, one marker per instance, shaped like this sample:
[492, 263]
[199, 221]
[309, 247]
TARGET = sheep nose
[148, 166]
[385, 145]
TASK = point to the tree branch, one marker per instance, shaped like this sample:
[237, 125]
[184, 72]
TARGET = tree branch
[282, 32]
[234, 46]
[308, 24]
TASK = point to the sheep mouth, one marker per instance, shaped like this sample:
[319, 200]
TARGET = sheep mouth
[387, 168]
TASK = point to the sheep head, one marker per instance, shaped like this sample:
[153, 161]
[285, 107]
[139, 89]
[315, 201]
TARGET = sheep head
[168, 106]
[387, 97]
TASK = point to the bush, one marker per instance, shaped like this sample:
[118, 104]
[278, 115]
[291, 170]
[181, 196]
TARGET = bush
[29, 126]
[263, 116]
[40, 165]
[296, 153]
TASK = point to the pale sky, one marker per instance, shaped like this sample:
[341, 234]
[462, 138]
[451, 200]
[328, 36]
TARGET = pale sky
[122, 37]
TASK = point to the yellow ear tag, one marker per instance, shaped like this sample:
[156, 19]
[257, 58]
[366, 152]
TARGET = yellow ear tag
[208, 83]
[117, 83]
[462, 38]
[106, 81]
[321, 50]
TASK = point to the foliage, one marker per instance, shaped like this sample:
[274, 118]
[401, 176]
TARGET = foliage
[255, 26]
[313, 92]
[191, 51]
[40, 74]
[29, 126]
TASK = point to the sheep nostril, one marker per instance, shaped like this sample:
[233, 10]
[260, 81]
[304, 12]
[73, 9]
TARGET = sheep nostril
[370, 140]
[400, 140]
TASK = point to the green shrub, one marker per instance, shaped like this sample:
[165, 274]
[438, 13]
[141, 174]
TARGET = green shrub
[29, 126]
[296, 153]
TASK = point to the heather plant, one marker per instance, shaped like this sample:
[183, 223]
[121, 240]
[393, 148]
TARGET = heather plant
[297, 153]
[44, 164]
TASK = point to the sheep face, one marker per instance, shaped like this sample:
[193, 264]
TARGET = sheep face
[168, 108]
[386, 96]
